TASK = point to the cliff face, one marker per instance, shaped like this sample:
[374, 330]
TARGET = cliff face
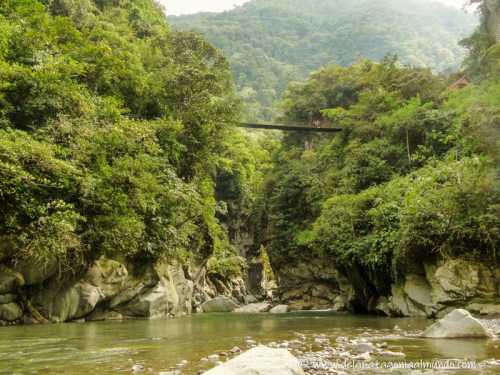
[433, 288]
[493, 20]
[106, 290]
[241, 234]
[114, 289]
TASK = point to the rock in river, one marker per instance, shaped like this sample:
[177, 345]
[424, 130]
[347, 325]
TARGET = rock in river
[260, 361]
[280, 309]
[457, 324]
[219, 304]
[254, 308]
[364, 347]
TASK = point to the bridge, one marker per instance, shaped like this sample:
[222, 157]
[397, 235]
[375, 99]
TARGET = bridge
[318, 127]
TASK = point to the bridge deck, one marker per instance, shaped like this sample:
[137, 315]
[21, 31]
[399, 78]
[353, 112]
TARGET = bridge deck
[302, 127]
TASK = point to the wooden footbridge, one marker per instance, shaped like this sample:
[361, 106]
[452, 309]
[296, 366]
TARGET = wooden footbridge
[317, 127]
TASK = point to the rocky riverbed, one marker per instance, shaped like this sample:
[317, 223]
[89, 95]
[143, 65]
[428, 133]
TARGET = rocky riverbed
[368, 350]
[492, 324]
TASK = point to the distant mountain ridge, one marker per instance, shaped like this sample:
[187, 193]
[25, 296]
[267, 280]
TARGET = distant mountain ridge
[273, 42]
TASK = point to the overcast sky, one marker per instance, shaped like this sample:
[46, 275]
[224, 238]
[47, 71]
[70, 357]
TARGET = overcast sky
[176, 7]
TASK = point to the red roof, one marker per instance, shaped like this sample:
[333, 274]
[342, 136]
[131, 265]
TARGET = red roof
[462, 80]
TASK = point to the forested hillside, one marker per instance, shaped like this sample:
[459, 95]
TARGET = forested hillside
[413, 177]
[271, 43]
[111, 125]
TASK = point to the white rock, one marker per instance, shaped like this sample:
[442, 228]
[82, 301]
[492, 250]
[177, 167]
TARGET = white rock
[254, 308]
[280, 309]
[362, 348]
[345, 355]
[260, 361]
[219, 304]
[363, 357]
[457, 324]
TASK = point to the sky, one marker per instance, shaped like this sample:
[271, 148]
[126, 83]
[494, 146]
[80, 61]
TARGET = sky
[176, 7]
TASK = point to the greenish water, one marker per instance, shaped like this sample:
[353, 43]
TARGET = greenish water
[113, 347]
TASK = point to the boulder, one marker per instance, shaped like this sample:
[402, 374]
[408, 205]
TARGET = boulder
[219, 304]
[301, 305]
[475, 308]
[457, 324]
[280, 309]
[254, 308]
[363, 348]
[10, 311]
[251, 299]
[490, 309]
[153, 303]
[260, 360]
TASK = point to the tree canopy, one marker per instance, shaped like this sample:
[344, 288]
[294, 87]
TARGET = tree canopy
[270, 43]
[110, 126]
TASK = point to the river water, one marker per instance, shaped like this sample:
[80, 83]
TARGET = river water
[114, 347]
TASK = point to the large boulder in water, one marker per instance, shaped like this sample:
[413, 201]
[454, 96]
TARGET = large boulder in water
[457, 324]
[254, 308]
[219, 304]
[260, 361]
[280, 309]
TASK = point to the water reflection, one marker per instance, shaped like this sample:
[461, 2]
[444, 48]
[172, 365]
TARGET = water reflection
[470, 349]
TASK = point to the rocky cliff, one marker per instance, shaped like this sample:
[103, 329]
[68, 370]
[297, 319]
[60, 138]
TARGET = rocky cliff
[114, 289]
[433, 288]
[107, 289]
[241, 235]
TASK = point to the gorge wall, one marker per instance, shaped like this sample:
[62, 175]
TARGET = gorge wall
[437, 287]
[107, 289]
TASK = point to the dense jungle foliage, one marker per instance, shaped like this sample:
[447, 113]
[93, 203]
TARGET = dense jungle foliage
[270, 43]
[111, 126]
[414, 172]
[116, 139]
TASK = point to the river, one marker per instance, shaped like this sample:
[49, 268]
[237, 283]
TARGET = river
[114, 347]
